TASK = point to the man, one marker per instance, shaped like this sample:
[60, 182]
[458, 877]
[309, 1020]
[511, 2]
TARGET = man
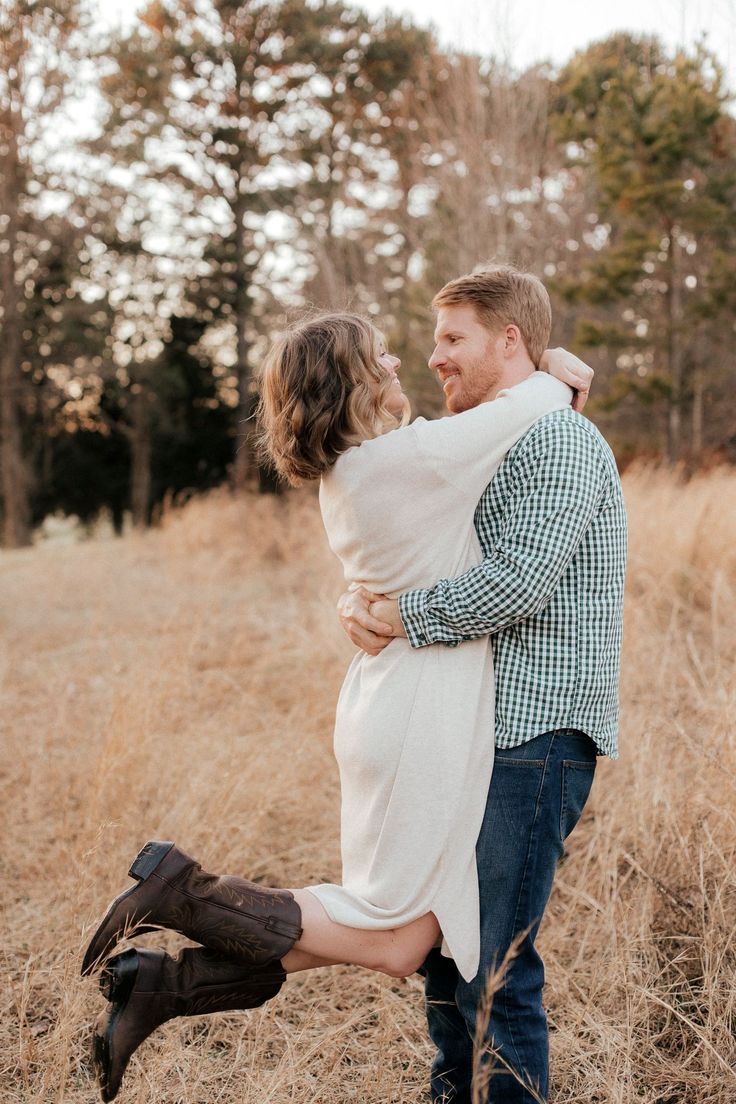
[549, 591]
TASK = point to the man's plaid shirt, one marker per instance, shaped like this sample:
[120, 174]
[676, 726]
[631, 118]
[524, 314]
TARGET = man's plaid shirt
[552, 526]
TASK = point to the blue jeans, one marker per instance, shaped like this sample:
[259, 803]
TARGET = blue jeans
[536, 796]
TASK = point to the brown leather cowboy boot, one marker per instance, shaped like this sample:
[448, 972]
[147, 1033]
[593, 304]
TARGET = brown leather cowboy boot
[239, 919]
[147, 988]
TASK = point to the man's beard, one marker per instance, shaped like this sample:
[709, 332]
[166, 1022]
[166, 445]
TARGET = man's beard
[482, 382]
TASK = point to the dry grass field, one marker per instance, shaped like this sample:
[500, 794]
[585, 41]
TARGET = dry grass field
[181, 685]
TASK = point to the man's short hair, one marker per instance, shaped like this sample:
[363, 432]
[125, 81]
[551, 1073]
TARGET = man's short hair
[502, 295]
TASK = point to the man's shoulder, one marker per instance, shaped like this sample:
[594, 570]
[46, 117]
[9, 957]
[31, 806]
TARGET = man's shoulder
[564, 424]
[563, 433]
[558, 442]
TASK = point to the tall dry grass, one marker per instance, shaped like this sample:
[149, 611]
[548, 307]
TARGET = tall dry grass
[181, 685]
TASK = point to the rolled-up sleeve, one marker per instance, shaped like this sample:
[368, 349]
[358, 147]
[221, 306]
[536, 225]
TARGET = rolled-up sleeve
[559, 478]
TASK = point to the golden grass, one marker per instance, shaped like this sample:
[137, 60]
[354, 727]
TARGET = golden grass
[181, 685]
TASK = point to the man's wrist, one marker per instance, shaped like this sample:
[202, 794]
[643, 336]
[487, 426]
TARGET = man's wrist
[412, 611]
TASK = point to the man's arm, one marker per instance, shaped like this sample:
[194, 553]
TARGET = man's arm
[559, 477]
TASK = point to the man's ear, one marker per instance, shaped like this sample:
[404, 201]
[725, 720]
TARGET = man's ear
[512, 340]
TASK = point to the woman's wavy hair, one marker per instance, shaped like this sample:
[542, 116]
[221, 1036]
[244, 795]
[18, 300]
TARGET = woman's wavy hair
[322, 392]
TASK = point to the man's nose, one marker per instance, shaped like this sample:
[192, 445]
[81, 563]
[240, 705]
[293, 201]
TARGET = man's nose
[437, 359]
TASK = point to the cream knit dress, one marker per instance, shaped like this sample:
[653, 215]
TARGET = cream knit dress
[414, 737]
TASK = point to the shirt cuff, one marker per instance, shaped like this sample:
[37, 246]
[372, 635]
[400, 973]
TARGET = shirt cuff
[413, 614]
[420, 626]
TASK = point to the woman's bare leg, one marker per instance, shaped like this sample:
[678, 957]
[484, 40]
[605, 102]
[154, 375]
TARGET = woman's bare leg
[297, 960]
[395, 951]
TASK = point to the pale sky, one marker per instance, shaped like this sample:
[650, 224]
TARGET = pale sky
[526, 31]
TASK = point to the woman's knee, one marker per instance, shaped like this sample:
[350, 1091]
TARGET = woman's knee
[403, 958]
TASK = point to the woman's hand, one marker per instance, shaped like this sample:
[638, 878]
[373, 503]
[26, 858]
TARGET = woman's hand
[573, 371]
[367, 632]
[387, 610]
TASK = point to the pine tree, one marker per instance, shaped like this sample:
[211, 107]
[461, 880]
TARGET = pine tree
[53, 321]
[649, 127]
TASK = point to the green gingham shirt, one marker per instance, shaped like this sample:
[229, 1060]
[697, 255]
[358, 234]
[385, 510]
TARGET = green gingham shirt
[552, 526]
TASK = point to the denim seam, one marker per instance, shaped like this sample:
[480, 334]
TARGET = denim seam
[532, 835]
[507, 761]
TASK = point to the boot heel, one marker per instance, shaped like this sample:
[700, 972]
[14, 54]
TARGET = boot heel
[148, 859]
[118, 977]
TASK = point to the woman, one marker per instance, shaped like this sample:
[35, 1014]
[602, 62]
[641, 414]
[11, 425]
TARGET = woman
[414, 728]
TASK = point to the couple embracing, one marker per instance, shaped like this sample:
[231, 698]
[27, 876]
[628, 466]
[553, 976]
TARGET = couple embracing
[485, 557]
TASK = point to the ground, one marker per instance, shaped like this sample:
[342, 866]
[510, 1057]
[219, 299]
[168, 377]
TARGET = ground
[181, 685]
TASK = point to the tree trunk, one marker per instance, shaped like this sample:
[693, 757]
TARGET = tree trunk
[14, 478]
[246, 463]
[243, 441]
[15, 504]
[140, 460]
[697, 415]
[674, 350]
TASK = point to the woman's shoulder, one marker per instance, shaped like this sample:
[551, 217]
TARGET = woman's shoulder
[388, 445]
[376, 456]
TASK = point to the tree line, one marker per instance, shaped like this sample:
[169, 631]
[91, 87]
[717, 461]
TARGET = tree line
[172, 194]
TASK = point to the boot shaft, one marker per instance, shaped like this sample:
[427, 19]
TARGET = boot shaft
[196, 982]
[239, 919]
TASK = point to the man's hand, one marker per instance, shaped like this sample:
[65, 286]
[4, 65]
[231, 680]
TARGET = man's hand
[365, 630]
[573, 371]
[387, 610]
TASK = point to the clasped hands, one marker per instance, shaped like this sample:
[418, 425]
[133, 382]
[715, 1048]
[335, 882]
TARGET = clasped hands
[370, 620]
